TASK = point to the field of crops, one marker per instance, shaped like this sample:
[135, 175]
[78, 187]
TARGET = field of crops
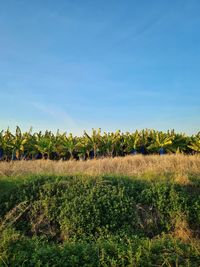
[57, 146]
[123, 211]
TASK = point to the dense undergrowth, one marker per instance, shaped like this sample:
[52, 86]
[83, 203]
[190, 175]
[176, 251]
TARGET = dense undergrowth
[99, 221]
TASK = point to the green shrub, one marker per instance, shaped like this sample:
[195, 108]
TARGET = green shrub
[18, 250]
[73, 207]
[100, 221]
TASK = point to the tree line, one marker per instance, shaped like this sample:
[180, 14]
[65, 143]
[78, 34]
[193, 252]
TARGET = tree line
[38, 145]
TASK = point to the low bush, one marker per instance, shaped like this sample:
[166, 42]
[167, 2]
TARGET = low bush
[99, 221]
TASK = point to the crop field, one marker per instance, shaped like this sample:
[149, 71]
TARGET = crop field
[124, 211]
[105, 199]
[99, 133]
[38, 145]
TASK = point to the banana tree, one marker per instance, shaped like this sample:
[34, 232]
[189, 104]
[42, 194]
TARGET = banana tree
[84, 147]
[146, 138]
[45, 144]
[179, 144]
[131, 142]
[161, 143]
[112, 144]
[70, 145]
[195, 144]
[94, 141]
[6, 144]
[118, 143]
[61, 146]
[29, 145]
[17, 144]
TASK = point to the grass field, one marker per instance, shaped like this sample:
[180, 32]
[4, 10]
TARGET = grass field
[129, 165]
[130, 211]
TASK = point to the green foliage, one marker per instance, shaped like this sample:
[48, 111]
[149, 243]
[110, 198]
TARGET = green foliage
[19, 250]
[165, 201]
[30, 145]
[99, 221]
[195, 144]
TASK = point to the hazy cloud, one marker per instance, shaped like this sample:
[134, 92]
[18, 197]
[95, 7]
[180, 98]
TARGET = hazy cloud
[55, 113]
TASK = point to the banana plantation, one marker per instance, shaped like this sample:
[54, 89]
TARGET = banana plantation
[47, 145]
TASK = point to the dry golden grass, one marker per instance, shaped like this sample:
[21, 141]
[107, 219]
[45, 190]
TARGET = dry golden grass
[182, 230]
[181, 165]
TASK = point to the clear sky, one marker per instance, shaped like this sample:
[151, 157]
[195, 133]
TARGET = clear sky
[112, 64]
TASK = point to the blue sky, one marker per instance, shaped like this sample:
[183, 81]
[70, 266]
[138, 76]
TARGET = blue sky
[112, 64]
